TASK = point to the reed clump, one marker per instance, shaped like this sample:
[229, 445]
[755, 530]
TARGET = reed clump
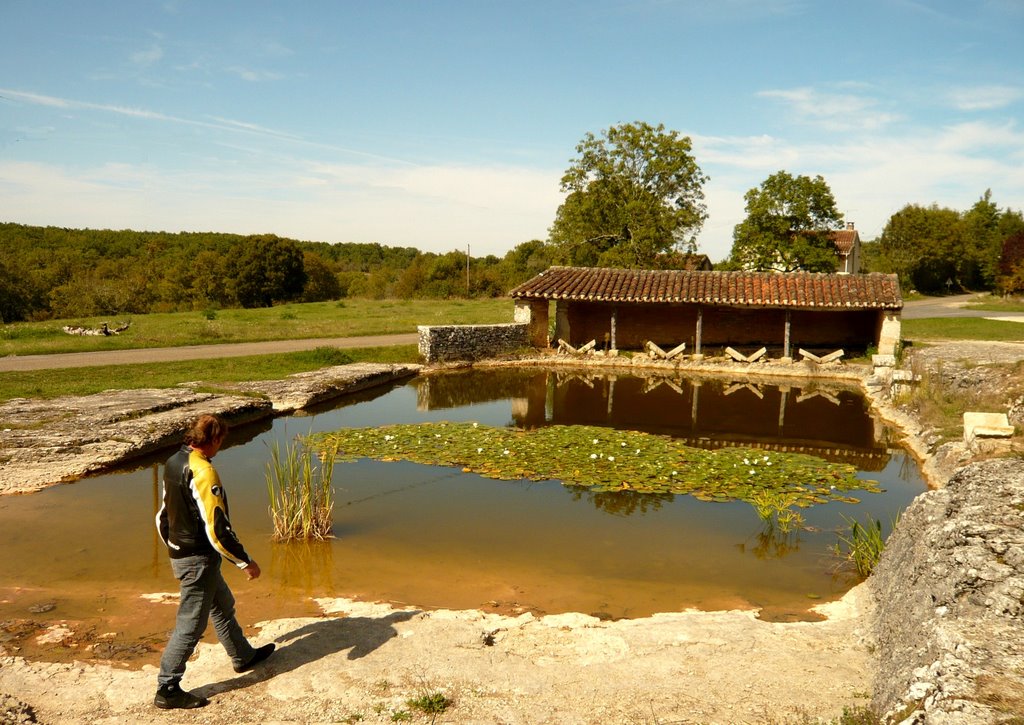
[300, 491]
[863, 546]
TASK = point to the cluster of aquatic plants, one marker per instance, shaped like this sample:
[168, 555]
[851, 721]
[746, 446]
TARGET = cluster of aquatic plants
[863, 546]
[607, 460]
[301, 496]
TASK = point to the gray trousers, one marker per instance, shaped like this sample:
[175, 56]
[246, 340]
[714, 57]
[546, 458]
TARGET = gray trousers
[204, 594]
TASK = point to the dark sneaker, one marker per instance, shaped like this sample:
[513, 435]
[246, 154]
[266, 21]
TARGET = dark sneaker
[258, 655]
[172, 697]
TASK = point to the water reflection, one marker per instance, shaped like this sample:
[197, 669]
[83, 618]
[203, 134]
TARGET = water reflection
[623, 503]
[772, 542]
[830, 422]
[430, 536]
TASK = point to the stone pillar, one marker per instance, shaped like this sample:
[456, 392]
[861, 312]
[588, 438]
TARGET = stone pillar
[534, 313]
[889, 330]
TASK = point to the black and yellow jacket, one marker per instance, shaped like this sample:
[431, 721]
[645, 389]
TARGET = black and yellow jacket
[194, 516]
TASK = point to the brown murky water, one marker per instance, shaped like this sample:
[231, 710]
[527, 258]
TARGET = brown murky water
[87, 553]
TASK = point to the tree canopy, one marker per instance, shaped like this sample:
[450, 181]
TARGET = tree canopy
[938, 249]
[52, 272]
[634, 192]
[788, 226]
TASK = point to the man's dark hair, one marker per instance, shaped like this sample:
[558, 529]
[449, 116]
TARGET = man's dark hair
[205, 430]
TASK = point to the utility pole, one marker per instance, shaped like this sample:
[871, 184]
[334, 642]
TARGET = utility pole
[467, 271]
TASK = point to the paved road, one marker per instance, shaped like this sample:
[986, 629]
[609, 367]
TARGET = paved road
[952, 306]
[194, 352]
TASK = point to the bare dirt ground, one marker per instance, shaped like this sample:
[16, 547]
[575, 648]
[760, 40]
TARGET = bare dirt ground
[364, 662]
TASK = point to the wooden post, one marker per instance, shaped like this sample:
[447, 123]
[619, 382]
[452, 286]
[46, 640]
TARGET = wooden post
[782, 407]
[700, 325]
[785, 339]
[695, 386]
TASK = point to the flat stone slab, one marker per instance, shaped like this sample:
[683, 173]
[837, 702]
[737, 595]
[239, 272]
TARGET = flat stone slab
[46, 442]
[986, 425]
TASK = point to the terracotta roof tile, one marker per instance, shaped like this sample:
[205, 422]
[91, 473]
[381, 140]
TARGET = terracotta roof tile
[844, 240]
[740, 289]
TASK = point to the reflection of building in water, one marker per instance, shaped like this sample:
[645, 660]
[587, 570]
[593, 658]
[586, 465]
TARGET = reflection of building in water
[455, 389]
[832, 423]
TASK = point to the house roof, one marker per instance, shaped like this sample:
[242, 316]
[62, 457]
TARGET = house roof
[844, 239]
[738, 289]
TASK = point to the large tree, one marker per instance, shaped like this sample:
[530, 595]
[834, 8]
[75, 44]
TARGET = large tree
[924, 246]
[270, 269]
[788, 226]
[633, 192]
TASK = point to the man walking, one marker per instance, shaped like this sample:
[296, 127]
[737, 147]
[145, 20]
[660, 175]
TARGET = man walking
[193, 522]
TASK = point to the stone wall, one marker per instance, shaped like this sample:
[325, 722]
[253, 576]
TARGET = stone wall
[949, 593]
[443, 343]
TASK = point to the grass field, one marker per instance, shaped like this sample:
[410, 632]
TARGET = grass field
[962, 328]
[211, 373]
[348, 318]
[351, 318]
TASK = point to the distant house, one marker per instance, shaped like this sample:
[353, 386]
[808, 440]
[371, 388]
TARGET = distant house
[782, 311]
[847, 243]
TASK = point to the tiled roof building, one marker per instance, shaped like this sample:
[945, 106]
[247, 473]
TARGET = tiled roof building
[742, 289]
[625, 308]
[847, 243]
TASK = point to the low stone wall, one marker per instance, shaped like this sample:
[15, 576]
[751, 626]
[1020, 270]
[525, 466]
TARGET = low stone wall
[444, 343]
[949, 590]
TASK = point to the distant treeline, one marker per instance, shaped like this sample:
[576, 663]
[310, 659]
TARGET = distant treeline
[51, 272]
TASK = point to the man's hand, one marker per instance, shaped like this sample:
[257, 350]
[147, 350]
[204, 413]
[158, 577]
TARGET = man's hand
[252, 570]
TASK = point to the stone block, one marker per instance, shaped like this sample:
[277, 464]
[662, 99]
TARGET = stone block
[986, 425]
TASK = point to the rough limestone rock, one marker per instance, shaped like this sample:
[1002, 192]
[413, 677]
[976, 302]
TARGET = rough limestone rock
[43, 442]
[950, 602]
[305, 389]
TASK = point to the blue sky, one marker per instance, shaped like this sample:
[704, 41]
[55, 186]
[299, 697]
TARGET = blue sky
[444, 124]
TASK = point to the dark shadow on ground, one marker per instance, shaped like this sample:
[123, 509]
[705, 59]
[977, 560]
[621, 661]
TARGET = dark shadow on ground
[314, 641]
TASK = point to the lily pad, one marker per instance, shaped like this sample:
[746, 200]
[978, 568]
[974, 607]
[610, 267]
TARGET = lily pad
[607, 460]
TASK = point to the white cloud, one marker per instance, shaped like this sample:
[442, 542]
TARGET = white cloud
[985, 98]
[833, 111]
[254, 76]
[148, 57]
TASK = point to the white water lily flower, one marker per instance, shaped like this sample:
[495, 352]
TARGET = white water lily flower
[623, 444]
[475, 425]
[479, 450]
[593, 455]
[675, 473]
[596, 441]
[611, 458]
[752, 471]
[638, 451]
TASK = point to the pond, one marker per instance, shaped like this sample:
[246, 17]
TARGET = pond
[432, 536]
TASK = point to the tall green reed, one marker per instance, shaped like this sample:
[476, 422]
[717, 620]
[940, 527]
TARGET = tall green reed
[863, 546]
[301, 496]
